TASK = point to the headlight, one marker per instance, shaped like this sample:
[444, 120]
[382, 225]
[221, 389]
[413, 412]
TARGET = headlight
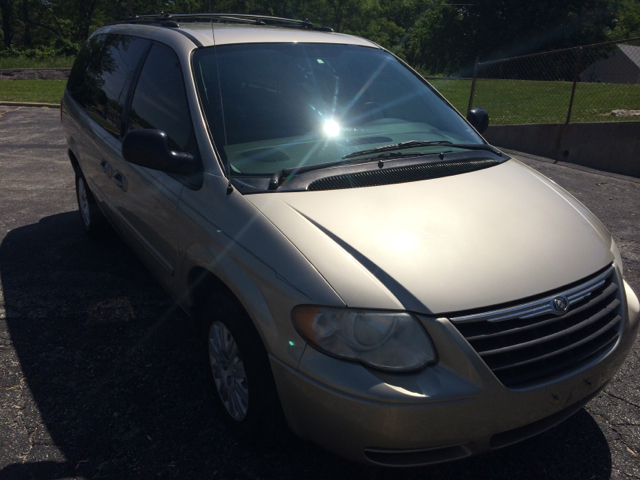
[385, 340]
[616, 256]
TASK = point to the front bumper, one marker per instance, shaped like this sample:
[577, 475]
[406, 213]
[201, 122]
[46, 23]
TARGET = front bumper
[447, 411]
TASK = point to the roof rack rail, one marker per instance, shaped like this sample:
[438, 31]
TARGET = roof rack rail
[171, 20]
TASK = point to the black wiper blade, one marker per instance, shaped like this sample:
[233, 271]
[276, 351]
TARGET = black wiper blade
[385, 155]
[416, 143]
[397, 146]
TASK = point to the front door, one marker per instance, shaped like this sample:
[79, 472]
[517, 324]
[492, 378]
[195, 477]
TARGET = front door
[148, 199]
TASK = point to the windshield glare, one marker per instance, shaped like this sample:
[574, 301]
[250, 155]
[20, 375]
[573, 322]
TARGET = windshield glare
[277, 106]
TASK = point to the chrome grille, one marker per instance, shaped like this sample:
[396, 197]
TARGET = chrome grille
[533, 342]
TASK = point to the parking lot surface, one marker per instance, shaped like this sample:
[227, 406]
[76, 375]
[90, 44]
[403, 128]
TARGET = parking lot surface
[101, 375]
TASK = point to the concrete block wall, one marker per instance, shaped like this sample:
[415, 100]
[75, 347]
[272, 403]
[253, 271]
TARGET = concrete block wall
[609, 146]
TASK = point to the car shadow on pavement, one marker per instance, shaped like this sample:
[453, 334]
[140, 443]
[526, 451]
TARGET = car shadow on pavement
[113, 382]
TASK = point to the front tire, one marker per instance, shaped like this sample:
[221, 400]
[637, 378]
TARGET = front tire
[229, 374]
[245, 390]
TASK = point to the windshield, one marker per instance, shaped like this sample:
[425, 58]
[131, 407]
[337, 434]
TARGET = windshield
[280, 106]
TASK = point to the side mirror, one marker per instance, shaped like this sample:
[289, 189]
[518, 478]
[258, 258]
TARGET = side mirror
[479, 118]
[150, 148]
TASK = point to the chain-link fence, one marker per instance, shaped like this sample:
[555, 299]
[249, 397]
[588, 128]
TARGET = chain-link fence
[593, 83]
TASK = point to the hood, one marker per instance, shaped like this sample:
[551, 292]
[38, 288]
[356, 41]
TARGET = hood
[444, 245]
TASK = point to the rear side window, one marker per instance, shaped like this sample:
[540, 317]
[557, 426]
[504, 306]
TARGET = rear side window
[103, 68]
[160, 101]
[81, 87]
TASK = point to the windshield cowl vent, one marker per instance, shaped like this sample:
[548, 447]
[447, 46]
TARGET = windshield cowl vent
[411, 173]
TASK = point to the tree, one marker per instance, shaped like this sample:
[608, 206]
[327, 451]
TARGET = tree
[438, 36]
[6, 7]
[449, 37]
[627, 21]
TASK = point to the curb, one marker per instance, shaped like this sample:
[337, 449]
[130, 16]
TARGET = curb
[35, 73]
[48, 69]
[29, 104]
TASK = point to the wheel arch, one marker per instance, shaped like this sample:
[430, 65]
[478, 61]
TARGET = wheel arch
[74, 161]
[204, 287]
[202, 283]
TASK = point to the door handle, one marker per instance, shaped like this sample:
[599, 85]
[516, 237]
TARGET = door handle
[121, 180]
[106, 167]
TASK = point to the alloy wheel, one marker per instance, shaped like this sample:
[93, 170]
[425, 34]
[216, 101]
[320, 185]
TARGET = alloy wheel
[228, 371]
[83, 202]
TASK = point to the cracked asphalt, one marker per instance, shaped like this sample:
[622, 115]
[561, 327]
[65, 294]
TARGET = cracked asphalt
[101, 375]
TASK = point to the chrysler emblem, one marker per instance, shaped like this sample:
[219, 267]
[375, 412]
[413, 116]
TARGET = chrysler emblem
[560, 304]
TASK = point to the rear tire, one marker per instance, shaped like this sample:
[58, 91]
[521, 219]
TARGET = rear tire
[245, 390]
[92, 218]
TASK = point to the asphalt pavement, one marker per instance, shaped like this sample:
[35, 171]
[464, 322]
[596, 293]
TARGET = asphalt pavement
[101, 375]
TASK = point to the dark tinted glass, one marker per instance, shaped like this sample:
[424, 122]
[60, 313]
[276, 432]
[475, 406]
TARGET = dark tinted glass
[160, 101]
[104, 66]
[81, 86]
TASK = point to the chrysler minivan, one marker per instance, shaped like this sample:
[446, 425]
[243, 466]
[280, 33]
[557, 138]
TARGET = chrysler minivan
[356, 255]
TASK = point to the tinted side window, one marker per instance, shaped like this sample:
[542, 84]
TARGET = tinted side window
[120, 57]
[81, 83]
[160, 101]
[110, 61]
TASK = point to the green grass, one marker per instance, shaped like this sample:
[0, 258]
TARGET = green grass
[44, 91]
[456, 91]
[595, 101]
[24, 62]
[522, 101]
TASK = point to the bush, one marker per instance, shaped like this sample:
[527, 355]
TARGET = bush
[66, 47]
[61, 48]
[10, 53]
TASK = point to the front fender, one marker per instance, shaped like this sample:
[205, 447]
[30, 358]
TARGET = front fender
[227, 236]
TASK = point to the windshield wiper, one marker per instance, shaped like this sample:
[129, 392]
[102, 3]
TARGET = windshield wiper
[277, 177]
[288, 173]
[416, 143]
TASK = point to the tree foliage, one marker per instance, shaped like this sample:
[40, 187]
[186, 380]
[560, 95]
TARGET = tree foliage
[438, 36]
[627, 22]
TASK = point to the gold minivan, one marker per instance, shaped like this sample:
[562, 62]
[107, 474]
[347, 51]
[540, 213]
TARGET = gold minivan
[355, 252]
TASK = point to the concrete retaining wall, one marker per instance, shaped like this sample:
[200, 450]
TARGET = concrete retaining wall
[609, 146]
[34, 73]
